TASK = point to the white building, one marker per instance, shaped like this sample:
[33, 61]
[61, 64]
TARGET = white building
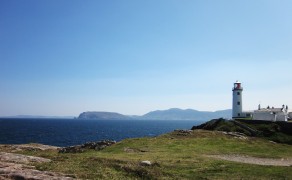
[271, 114]
[237, 102]
[264, 114]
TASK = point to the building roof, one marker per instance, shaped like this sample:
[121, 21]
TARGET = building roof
[270, 110]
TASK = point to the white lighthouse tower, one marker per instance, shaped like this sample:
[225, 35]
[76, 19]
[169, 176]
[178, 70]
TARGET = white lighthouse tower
[237, 100]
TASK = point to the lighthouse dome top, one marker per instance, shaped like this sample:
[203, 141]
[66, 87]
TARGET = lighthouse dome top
[237, 86]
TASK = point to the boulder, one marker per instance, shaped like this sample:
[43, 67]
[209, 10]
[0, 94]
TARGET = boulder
[71, 149]
[89, 145]
[181, 132]
[145, 163]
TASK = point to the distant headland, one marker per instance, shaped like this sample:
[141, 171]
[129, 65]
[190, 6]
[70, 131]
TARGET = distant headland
[170, 114]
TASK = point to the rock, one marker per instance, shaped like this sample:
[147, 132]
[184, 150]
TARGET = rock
[89, 145]
[27, 147]
[71, 149]
[25, 172]
[181, 132]
[236, 135]
[134, 150]
[16, 166]
[19, 158]
[145, 163]
[35, 147]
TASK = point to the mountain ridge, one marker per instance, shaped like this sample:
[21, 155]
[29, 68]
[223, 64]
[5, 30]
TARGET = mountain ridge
[169, 114]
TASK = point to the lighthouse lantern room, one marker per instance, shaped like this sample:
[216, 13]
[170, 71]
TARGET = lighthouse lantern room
[237, 100]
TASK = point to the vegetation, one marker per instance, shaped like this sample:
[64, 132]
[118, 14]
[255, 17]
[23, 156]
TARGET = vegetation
[280, 132]
[177, 155]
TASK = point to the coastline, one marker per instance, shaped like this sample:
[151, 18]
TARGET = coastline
[187, 154]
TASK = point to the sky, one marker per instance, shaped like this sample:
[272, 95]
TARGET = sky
[63, 57]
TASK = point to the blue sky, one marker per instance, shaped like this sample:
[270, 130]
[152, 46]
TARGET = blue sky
[63, 57]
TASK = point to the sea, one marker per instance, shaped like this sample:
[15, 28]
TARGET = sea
[68, 132]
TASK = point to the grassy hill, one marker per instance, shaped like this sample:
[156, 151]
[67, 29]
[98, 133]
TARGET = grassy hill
[280, 132]
[176, 155]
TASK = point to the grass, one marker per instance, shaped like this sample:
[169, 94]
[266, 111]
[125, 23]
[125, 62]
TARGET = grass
[174, 156]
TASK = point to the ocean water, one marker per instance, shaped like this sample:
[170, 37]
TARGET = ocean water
[67, 132]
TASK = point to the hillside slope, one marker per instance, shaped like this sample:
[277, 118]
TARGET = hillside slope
[197, 154]
[280, 132]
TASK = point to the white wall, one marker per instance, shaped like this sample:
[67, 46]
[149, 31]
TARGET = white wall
[237, 109]
[266, 116]
[281, 117]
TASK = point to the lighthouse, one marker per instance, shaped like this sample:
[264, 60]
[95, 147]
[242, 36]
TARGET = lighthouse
[237, 100]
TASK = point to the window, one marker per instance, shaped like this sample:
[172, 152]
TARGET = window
[238, 93]
[238, 114]
[238, 103]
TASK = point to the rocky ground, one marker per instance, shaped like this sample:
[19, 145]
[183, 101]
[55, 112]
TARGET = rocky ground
[100, 145]
[18, 166]
[29, 147]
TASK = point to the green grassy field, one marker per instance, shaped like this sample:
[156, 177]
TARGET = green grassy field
[173, 156]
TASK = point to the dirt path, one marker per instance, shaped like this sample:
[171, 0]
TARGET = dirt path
[254, 160]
